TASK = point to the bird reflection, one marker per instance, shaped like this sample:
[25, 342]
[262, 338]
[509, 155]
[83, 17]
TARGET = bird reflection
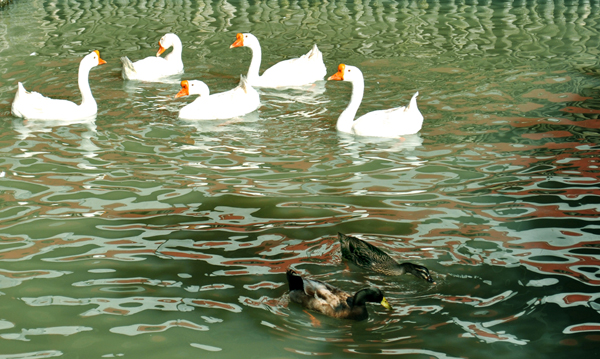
[29, 129]
[357, 146]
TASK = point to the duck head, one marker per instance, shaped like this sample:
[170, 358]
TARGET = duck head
[193, 87]
[244, 39]
[93, 59]
[346, 73]
[371, 294]
[167, 41]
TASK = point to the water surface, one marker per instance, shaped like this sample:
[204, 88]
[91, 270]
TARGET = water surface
[138, 234]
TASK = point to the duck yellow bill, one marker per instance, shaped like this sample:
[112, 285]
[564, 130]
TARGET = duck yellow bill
[385, 304]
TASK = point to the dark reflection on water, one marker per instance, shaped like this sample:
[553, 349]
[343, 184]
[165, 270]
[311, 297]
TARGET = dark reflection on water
[155, 234]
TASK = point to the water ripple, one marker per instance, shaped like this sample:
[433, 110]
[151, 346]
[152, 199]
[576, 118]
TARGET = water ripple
[138, 213]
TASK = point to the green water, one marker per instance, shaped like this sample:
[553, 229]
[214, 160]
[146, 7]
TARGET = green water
[140, 235]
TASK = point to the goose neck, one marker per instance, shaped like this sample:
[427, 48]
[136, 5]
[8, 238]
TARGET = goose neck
[87, 99]
[254, 63]
[346, 119]
[175, 54]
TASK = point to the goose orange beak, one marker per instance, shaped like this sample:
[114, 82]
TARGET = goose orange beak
[100, 61]
[338, 75]
[239, 41]
[185, 89]
[161, 49]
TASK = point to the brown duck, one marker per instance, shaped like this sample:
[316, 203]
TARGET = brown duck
[369, 257]
[332, 301]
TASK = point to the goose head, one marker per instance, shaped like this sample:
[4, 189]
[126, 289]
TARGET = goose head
[193, 87]
[347, 73]
[245, 39]
[167, 41]
[92, 59]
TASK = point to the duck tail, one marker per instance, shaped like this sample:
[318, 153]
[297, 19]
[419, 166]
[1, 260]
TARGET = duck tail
[20, 91]
[315, 54]
[295, 282]
[127, 64]
[412, 105]
[345, 245]
[16, 105]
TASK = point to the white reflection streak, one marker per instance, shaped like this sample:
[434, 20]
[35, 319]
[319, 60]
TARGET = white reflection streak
[431, 353]
[481, 332]
[209, 348]
[36, 355]
[128, 282]
[10, 279]
[573, 299]
[582, 328]
[5, 324]
[66, 331]
[546, 282]
[131, 305]
[137, 329]
[482, 302]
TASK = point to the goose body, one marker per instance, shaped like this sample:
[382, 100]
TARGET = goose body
[156, 68]
[332, 301]
[369, 257]
[233, 103]
[300, 71]
[395, 122]
[34, 106]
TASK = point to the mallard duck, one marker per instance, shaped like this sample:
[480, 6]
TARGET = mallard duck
[329, 300]
[367, 256]
[391, 123]
[300, 71]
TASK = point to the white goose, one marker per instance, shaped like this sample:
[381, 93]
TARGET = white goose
[233, 103]
[156, 68]
[34, 106]
[395, 122]
[293, 72]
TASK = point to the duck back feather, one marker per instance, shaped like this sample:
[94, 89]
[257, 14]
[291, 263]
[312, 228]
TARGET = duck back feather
[369, 257]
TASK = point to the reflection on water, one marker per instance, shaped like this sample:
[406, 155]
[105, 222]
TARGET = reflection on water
[143, 229]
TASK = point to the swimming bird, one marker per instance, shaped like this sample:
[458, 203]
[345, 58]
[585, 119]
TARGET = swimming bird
[239, 101]
[332, 301]
[395, 122]
[288, 73]
[34, 106]
[156, 68]
[369, 257]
